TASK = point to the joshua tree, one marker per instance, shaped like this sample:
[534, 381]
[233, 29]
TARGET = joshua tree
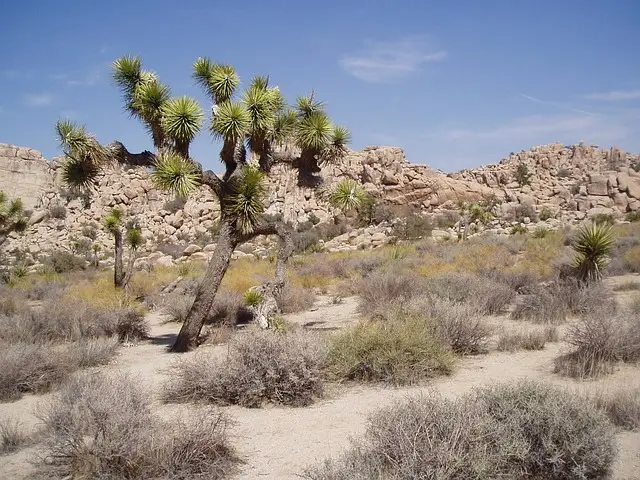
[132, 237]
[12, 216]
[257, 122]
[592, 245]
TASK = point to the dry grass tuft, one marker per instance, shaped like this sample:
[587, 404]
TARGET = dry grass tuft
[518, 430]
[627, 286]
[261, 366]
[621, 406]
[296, 299]
[12, 436]
[101, 426]
[529, 340]
[599, 341]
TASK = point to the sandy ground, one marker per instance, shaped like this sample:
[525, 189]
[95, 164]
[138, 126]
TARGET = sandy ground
[279, 442]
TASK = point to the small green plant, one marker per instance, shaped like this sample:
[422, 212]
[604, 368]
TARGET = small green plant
[253, 297]
[633, 216]
[604, 218]
[58, 211]
[523, 177]
[592, 245]
[541, 232]
[113, 224]
[184, 269]
[519, 230]
[546, 214]
[12, 216]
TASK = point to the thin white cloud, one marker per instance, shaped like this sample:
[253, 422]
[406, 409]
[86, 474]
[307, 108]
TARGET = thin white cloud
[389, 61]
[39, 99]
[555, 104]
[548, 128]
[615, 96]
[87, 78]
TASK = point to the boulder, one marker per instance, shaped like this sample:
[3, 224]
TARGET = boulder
[191, 249]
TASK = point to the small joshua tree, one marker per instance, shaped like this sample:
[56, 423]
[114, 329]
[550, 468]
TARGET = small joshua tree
[132, 237]
[592, 246]
[12, 216]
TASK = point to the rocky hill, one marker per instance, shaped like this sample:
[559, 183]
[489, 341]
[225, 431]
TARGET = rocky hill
[567, 183]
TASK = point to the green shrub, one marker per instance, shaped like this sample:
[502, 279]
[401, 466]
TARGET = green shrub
[633, 216]
[603, 218]
[412, 227]
[515, 431]
[252, 297]
[58, 211]
[522, 175]
[400, 350]
[61, 261]
[592, 245]
[261, 366]
[541, 232]
[519, 230]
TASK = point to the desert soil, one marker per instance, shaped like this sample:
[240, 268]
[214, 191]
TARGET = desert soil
[279, 442]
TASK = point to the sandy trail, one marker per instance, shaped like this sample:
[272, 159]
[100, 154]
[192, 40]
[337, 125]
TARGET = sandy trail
[279, 442]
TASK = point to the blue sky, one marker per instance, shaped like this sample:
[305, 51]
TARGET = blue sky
[456, 84]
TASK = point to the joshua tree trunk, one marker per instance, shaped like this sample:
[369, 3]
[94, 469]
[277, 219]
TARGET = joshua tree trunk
[118, 270]
[188, 336]
[228, 240]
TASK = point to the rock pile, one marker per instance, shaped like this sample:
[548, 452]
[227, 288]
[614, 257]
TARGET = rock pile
[561, 184]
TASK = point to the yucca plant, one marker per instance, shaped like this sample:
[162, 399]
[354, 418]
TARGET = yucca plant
[255, 127]
[12, 216]
[592, 245]
[348, 195]
[122, 233]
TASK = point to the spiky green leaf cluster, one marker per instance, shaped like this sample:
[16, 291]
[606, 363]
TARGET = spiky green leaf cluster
[220, 81]
[134, 238]
[592, 245]
[83, 154]
[172, 122]
[176, 174]
[347, 195]
[12, 215]
[244, 202]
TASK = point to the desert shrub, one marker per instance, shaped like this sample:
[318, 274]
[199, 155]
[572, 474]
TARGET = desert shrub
[604, 218]
[520, 430]
[34, 368]
[69, 320]
[295, 299]
[228, 309]
[381, 290]
[261, 366]
[529, 340]
[447, 219]
[489, 297]
[412, 227]
[524, 210]
[518, 230]
[177, 307]
[459, 326]
[544, 305]
[61, 261]
[101, 426]
[635, 305]
[12, 436]
[541, 232]
[546, 214]
[57, 211]
[520, 281]
[522, 175]
[622, 406]
[562, 436]
[633, 216]
[627, 286]
[599, 341]
[400, 350]
[175, 204]
[583, 298]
